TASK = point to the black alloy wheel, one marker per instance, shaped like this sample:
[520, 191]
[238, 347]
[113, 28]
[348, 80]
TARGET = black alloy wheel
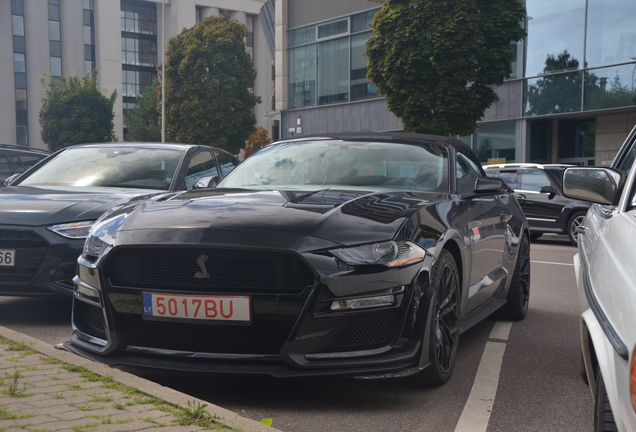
[575, 221]
[603, 415]
[444, 327]
[519, 292]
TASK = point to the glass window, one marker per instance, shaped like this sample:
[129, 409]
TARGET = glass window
[54, 12]
[29, 161]
[611, 36]
[56, 66]
[553, 94]
[55, 48]
[554, 28]
[577, 139]
[610, 87]
[21, 99]
[333, 29]
[20, 80]
[88, 35]
[361, 87]
[19, 62]
[202, 164]
[18, 25]
[5, 169]
[17, 7]
[54, 30]
[533, 180]
[466, 174]
[22, 135]
[333, 71]
[510, 177]
[497, 142]
[302, 36]
[19, 44]
[362, 22]
[302, 80]
[226, 163]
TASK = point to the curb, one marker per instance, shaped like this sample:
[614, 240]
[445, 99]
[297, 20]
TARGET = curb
[145, 386]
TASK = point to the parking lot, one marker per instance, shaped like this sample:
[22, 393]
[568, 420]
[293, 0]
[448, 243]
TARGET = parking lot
[538, 387]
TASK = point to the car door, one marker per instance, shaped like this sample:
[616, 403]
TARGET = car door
[541, 209]
[486, 231]
[226, 163]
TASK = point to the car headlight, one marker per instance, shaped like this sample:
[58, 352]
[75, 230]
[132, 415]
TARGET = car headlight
[73, 230]
[94, 246]
[392, 253]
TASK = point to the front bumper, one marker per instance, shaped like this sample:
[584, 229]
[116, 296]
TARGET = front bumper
[293, 332]
[45, 263]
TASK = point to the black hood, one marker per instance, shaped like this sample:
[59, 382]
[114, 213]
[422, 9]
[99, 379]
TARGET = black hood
[340, 216]
[35, 206]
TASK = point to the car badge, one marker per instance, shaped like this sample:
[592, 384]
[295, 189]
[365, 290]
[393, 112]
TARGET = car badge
[204, 272]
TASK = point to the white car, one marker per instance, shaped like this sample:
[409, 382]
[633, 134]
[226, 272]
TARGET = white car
[606, 279]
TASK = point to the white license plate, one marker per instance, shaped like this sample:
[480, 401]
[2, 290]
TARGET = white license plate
[219, 308]
[7, 257]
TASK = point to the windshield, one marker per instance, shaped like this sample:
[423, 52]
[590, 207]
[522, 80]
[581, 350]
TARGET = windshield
[121, 167]
[344, 163]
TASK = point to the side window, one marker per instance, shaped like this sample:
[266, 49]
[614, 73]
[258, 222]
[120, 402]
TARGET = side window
[510, 177]
[202, 164]
[18, 167]
[29, 161]
[533, 180]
[466, 174]
[628, 159]
[5, 169]
[226, 163]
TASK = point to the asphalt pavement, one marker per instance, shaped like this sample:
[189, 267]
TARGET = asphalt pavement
[46, 389]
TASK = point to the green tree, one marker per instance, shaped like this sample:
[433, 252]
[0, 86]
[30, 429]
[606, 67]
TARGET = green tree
[143, 120]
[75, 111]
[208, 80]
[436, 61]
[558, 93]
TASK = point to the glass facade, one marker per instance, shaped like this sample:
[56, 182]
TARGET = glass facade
[89, 36]
[497, 142]
[55, 38]
[138, 51]
[327, 62]
[20, 70]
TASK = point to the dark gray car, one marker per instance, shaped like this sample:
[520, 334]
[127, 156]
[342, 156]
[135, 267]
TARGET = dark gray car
[539, 190]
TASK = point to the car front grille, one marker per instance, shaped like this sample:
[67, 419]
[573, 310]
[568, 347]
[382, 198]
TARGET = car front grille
[369, 329]
[225, 270]
[30, 250]
[257, 338]
[89, 319]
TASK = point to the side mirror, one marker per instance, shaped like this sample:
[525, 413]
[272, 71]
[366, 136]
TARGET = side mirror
[206, 182]
[595, 184]
[491, 184]
[547, 189]
[9, 179]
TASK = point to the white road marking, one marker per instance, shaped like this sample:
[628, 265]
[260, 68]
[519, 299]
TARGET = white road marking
[501, 330]
[553, 263]
[478, 407]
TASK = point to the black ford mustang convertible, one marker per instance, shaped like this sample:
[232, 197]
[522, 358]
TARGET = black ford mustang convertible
[361, 255]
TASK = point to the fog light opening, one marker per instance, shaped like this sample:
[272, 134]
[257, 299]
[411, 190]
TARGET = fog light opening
[363, 303]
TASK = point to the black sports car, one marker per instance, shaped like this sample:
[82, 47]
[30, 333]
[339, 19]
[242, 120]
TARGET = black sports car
[45, 213]
[359, 255]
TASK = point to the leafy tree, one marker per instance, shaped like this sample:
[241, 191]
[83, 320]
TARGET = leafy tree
[436, 61]
[75, 111]
[143, 120]
[556, 93]
[256, 141]
[208, 80]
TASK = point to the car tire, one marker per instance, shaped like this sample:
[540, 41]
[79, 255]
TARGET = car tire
[444, 322]
[575, 221]
[603, 415]
[519, 292]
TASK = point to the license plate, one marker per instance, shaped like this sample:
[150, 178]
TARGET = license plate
[219, 308]
[7, 257]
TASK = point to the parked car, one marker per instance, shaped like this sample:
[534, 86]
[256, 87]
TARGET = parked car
[16, 159]
[540, 192]
[361, 254]
[606, 280]
[47, 211]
